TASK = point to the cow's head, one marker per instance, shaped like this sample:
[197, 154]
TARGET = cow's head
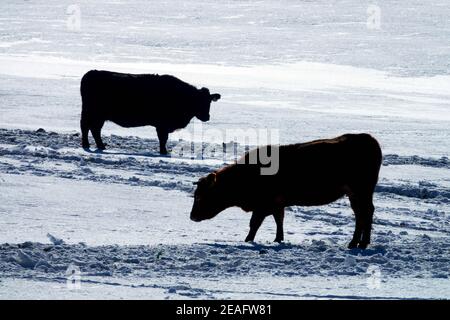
[205, 103]
[208, 198]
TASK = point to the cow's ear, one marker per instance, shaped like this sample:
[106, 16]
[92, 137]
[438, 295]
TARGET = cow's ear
[215, 97]
[212, 179]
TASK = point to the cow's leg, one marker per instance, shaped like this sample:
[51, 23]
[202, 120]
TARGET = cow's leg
[363, 207]
[163, 135]
[96, 129]
[255, 222]
[367, 222]
[84, 131]
[355, 204]
[279, 217]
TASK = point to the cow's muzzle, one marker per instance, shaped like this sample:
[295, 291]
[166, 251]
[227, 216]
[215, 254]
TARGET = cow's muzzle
[204, 118]
[196, 219]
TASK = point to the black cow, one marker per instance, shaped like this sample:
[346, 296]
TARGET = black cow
[310, 174]
[134, 100]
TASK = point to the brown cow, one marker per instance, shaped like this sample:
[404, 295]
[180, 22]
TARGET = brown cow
[309, 174]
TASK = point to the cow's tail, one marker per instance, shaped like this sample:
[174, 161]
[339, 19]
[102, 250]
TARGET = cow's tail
[84, 120]
[86, 82]
[373, 156]
[366, 159]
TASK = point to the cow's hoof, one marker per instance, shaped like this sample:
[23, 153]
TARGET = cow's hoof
[102, 147]
[248, 239]
[278, 240]
[163, 152]
[85, 146]
[363, 245]
[352, 245]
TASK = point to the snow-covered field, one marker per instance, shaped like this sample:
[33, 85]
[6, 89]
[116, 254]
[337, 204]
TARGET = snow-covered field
[309, 69]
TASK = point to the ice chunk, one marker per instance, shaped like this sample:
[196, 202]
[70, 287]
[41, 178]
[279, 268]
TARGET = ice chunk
[54, 240]
[25, 260]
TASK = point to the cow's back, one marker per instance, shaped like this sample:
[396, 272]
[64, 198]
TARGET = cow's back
[138, 99]
[107, 86]
[335, 160]
[316, 172]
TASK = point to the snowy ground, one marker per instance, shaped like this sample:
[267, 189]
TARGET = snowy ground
[124, 218]
[309, 69]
